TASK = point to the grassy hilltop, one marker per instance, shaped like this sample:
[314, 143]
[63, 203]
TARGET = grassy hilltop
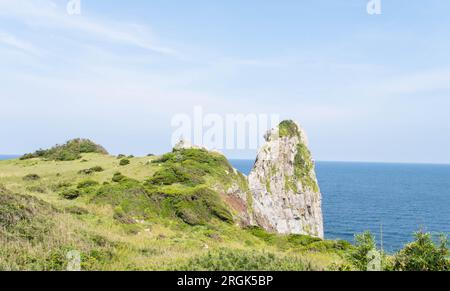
[139, 213]
[130, 213]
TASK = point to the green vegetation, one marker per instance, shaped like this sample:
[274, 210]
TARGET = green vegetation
[124, 162]
[238, 260]
[31, 177]
[159, 213]
[304, 167]
[423, 255]
[288, 128]
[118, 177]
[33, 236]
[87, 183]
[90, 171]
[364, 243]
[70, 194]
[70, 151]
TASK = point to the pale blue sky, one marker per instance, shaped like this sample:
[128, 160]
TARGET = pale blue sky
[365, 88]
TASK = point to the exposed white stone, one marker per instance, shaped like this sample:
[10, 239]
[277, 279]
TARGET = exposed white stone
[276, 206]
[185, 144]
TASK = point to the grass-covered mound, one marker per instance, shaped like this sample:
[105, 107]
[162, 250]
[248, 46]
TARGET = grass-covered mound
[155, 213]
[160, 213]
[181, 188]
[70, 151]
[191, 167]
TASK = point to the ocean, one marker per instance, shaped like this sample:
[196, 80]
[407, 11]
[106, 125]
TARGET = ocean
[393, 199]
[8, 157]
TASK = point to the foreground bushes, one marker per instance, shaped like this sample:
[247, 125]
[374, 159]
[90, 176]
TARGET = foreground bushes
[240, 260]
[423, 254]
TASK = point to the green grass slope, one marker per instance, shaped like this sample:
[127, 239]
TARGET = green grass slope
[151, 213]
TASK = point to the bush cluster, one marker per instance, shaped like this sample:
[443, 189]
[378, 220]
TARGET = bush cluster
[70, 194]
[423, 254]
[90, 171]
[31, 177]
[124, 162]
[69, 151]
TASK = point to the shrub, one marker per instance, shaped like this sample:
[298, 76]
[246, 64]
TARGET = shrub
[31, 177]
[87, 184]
[122, 217]
[364, 243]
[303, 240]
[194, 206]
[121, 156]
[85, 172]
[92, 170]
[97, 169]
[76, 210]
[23, 217]
[124, 162]
[172, 174]
[240, 260]
[37, 189]
[27, 157]
[288, 128]
[117, 177]
[128, 197]
[71, 194]
[198, 207]
[60, 185]
[423, 255]
[69, 151]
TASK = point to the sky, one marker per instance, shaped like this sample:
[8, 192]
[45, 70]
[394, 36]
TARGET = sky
[364, 87]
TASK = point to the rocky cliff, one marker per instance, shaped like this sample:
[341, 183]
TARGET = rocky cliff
[285, 193]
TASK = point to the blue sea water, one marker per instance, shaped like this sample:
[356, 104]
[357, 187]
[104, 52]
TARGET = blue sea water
[8, 157]
[398, 199]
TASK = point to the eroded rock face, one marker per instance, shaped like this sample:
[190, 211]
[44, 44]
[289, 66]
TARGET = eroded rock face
[285, 193]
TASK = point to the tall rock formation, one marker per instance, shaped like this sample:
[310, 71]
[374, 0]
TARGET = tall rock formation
[285, 193]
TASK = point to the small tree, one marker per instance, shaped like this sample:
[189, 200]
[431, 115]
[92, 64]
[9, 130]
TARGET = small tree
[423, 255]
[364, 244]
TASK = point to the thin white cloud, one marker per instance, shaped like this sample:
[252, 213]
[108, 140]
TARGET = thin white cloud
[47, 14]
[12, 41]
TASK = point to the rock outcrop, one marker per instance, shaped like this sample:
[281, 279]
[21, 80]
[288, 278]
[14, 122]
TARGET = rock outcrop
[285, 194]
